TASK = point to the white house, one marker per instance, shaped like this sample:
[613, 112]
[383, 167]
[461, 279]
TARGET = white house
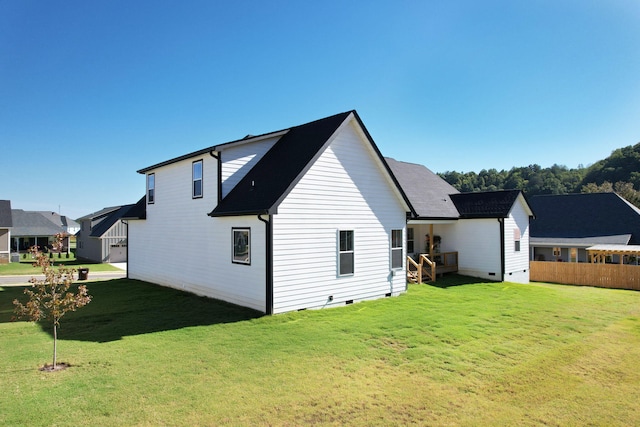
[305, 217]
[482, 234]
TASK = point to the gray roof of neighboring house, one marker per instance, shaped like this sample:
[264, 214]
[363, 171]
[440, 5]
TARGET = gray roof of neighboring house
[6, 220]
[485, 204]
[103, 226]
[102, 212]
[580, 242]
[59, 220]
[429, 194]
[29, 223]
[584, 215]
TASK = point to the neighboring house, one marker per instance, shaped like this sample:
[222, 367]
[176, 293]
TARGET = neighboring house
[305, 217]
[567, 225]
[103, 235]
[69, 225]
[6, 223]
[32, 228]
[485, 233]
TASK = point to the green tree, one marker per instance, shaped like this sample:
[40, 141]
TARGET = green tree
[51, 298]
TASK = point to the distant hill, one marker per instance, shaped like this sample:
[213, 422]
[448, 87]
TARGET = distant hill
[620, 172]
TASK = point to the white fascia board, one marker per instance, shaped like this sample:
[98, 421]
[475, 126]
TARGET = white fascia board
[431, 221]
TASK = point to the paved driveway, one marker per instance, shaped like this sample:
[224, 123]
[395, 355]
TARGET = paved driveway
[22, 280]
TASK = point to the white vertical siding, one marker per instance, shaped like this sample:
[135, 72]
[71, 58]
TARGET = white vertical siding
[116, 235]
[180, 246]
[345, 189]
[517, 263]
[237, 160]
[478, 244]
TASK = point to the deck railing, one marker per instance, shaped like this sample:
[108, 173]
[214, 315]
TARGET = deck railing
[428, 268]
[425, 270]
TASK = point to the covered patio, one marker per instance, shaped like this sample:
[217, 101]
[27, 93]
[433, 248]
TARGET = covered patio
[614, 254]
[425, 266]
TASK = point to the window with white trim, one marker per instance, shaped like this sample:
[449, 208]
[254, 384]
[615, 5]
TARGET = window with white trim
[516, 239]
[241, 246]
[396, 249]
[410, 241]
[197, 179]
[345, 253]
[151, 188]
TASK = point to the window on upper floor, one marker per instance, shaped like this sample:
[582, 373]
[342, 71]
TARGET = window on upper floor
[396, 249]
[345, 253]
[151, 188]
[197, 179]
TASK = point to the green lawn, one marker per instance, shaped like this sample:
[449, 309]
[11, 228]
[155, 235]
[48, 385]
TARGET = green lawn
[462, 353]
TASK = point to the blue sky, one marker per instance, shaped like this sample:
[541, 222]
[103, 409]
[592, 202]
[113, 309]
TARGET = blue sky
[91, 91]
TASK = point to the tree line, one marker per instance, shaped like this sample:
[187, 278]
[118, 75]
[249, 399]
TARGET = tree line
[620, 172]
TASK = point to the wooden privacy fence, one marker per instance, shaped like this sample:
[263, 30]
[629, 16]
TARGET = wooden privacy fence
[616, 276]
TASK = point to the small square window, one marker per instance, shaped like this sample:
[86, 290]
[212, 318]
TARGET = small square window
[241, 245]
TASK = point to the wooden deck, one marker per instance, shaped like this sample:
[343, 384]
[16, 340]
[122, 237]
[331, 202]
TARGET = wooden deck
[426, 270]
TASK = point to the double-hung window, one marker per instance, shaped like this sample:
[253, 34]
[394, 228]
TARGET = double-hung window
[516, 239]
[345, 253]
[410, 240]
[151, 188]
[396, 249]
[197, 179]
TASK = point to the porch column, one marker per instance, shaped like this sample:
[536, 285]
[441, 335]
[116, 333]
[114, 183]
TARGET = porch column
[431, 241]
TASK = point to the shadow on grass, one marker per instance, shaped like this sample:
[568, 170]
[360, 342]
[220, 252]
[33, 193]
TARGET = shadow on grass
[124, 307]
[451, 279]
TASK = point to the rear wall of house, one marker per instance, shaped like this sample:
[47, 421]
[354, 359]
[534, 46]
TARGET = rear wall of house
[344, 190]
[478, 244]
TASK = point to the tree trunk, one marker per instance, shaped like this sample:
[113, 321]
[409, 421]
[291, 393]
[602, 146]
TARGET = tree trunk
[55, 344]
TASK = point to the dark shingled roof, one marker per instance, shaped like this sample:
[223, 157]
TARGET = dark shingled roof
[137, 210]
[584, 215]
[104, 225]
[58, 219]
[26, 223]
[486, 204]
[428, 193]
[101, 213]
[263, 187]
[5, 214]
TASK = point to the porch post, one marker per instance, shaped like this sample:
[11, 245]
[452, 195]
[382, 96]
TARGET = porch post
[431, 241]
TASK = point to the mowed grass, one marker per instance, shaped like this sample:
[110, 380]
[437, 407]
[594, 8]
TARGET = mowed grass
[461, 353]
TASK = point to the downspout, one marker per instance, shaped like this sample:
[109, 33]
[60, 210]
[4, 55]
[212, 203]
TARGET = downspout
[502, 260]
[218, 157]
[268, 263]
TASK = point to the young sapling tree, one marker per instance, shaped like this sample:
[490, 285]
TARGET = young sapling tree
[50, 298]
